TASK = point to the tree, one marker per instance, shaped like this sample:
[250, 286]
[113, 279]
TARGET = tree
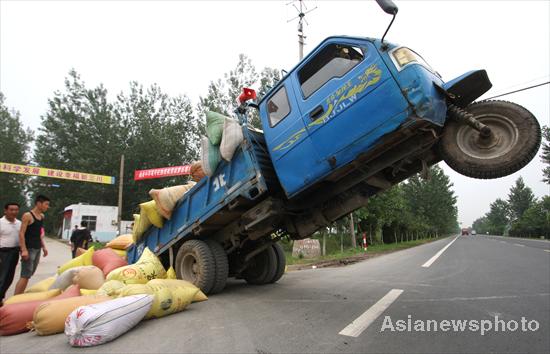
[15, 146]
[223, 93]
[159, 131]
[546, 154]
[520, 199]
[497, 217]
[83, 131]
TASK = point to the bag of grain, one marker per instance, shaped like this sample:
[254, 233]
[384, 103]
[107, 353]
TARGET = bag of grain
[107, 260]
[149, 211]
[196, 171]
[110, 288]
[42, 285]
[14, 317]
[65, 279]
[146, 268]
[177, 283]
[210, 156]
[121, 242]
[214, 127]
[100, 323]
[232, 138]
[89, 278]
[49, 317]
[140, 226]
[37, 296]
[167, 198]
[82, 260]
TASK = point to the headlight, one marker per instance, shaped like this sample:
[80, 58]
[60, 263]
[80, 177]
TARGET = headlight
[403, 56]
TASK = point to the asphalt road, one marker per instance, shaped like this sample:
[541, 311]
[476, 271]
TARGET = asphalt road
[352, 309]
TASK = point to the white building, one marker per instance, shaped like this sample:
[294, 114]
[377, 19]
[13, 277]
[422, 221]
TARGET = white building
[101, 219]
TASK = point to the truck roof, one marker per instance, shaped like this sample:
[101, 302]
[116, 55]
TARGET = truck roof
[310, 54]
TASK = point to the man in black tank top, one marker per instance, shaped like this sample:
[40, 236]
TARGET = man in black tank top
[31, 241]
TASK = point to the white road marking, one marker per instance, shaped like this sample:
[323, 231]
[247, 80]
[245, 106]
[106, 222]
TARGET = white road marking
[520, 245]
[362, 322]
[434, 258]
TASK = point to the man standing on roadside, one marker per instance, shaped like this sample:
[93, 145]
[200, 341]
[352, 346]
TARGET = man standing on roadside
[30, 241]
[80, 238]
[9, 246]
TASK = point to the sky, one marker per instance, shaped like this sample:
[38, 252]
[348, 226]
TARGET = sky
[182, 45]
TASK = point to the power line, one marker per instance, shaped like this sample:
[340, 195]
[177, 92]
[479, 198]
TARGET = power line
[523, 89]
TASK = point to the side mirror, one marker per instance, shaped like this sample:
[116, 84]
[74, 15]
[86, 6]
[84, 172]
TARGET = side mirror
[388, 6]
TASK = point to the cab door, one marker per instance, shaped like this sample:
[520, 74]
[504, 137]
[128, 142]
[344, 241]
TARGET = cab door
[338, 89]
[290, 147]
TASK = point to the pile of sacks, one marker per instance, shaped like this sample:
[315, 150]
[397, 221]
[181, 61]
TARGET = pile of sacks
[223, 136]
[97, 296]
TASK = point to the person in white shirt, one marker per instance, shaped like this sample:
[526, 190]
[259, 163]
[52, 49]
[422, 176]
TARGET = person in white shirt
[9, 246]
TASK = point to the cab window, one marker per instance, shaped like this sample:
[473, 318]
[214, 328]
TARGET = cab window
[335, 60]
[278, 107]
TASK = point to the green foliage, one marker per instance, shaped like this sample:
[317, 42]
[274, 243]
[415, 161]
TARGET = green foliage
[497, 217]
[83, 131]
[545, 156]
[15, 145]
[416, 208]
[520, 199]
[223, 93]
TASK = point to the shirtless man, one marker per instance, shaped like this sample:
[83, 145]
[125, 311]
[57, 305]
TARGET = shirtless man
[31, 241]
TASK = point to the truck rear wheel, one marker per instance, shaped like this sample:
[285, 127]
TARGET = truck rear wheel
[261, 268]
[221, 264]
[514, 141]
[281, 262]
[196, 263]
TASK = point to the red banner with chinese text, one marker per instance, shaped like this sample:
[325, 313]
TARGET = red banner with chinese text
[162, 172]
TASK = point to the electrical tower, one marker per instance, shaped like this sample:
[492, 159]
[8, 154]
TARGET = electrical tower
[302, 11]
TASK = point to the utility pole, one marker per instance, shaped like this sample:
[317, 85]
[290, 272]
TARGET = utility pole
[120, 185]
[302, 11]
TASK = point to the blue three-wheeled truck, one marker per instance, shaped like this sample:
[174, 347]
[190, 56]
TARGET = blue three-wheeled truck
[355, 117]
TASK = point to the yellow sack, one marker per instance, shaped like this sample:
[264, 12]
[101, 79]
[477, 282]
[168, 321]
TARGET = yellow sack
[83, 260]
[49, 317]
[177, 283]
[149, 211]
[134, 289]
[42, 285]
[110, 288]
[171, 273]
[121, 242]
[43, 295]
[146, 268]
[166, 198]
[140, 226]
[86, 292]
[169, 300]
[121, 253]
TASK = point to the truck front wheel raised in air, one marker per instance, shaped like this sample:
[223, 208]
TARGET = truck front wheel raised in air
[261, 268]
[196, 263]
[514, 140]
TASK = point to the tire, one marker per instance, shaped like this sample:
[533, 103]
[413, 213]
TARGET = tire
[221, 265]
[515, 140]
[262, 267]
[195, 263]
[281, 263]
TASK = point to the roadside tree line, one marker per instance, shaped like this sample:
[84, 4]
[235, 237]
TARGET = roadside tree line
[520, 215]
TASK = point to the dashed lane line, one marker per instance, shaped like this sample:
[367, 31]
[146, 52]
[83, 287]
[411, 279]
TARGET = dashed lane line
[362, 322]
[438, 254]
